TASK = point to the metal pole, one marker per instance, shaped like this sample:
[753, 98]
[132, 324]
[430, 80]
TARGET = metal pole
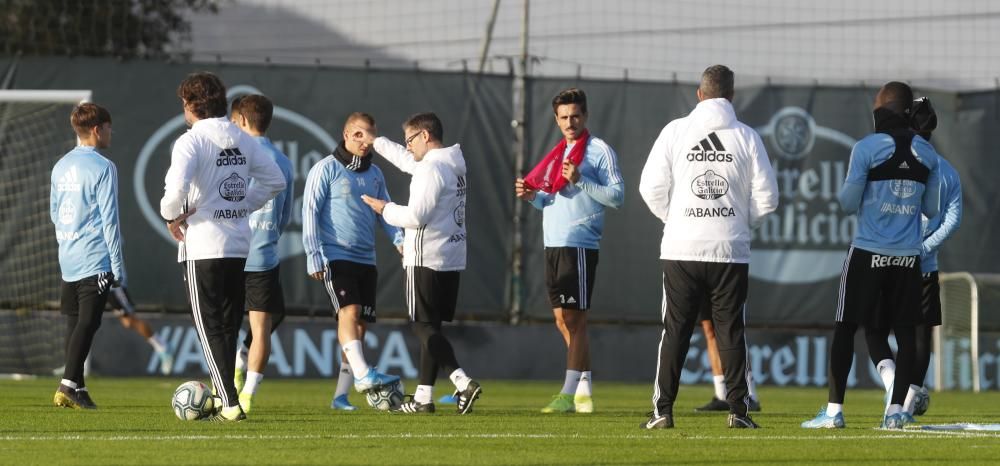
[485, 50]
[519, 100]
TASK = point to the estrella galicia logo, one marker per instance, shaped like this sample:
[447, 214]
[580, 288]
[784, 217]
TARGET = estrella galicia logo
[806, 239]
[903, 188]
[233, 188]
[67, 212]
[710, 186]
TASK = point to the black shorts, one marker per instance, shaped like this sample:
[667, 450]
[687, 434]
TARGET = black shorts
[264, 293]
[879, 291]
[705, 311]
[90, 294]
[431, 296]
[121, 302]
[569, 276]
[349, 283]
[691, 288]
[931, 299]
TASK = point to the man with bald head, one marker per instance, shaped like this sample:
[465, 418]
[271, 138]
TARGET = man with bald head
[892, 179]
[338, 233]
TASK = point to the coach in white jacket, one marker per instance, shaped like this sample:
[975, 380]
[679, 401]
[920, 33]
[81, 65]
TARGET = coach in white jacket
[207, 202]
[433, 250]
[709, 180]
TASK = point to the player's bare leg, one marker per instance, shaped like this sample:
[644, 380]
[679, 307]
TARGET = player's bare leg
[260, 347]
[561, 325]
[718, 402]
[131, 322]
[257, 356]
[576, 392]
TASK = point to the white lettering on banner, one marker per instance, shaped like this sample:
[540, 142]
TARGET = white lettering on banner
[322, 360]
[308, 357]
[804, 361]
[807, 190]
[784, 365]
[806, 239]
[189, 351]
[800, 361]
[819, 360]
[395, 354]
[278, 358]
[782, 359]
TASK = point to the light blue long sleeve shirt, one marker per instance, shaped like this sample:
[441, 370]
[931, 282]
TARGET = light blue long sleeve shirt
[940, 227]
[574, 216]
[83, 205]
[267, 223]
[336, 223]
[888, 211]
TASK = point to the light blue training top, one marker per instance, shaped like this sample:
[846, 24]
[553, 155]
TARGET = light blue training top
[888, 211]
[574, 216]
[941, 226]
[83, 205]
[336, 223]
[267, 223]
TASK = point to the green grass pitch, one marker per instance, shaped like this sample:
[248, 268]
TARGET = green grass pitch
[292, 424]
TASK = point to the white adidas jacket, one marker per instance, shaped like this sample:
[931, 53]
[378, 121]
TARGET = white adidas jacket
[210, 170]
[434, 217]
[709, 180]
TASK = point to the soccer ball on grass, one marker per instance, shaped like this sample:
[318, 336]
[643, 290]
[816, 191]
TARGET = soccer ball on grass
[192, 400]
[385, 397]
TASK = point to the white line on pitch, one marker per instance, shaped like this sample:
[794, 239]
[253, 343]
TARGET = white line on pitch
[651, 436]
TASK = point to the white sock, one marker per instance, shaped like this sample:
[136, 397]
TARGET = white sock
[253, 380]
[69, 383]
[241, 357]
[752, 388]
[424, 394]
[833, 409]
[571, 382]
[459, 378]
[893, 409]
[911, 395]
[584, 388]
[887, 371]
[157, 345]
[720, 386]
[345, 380]
[356, 358]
